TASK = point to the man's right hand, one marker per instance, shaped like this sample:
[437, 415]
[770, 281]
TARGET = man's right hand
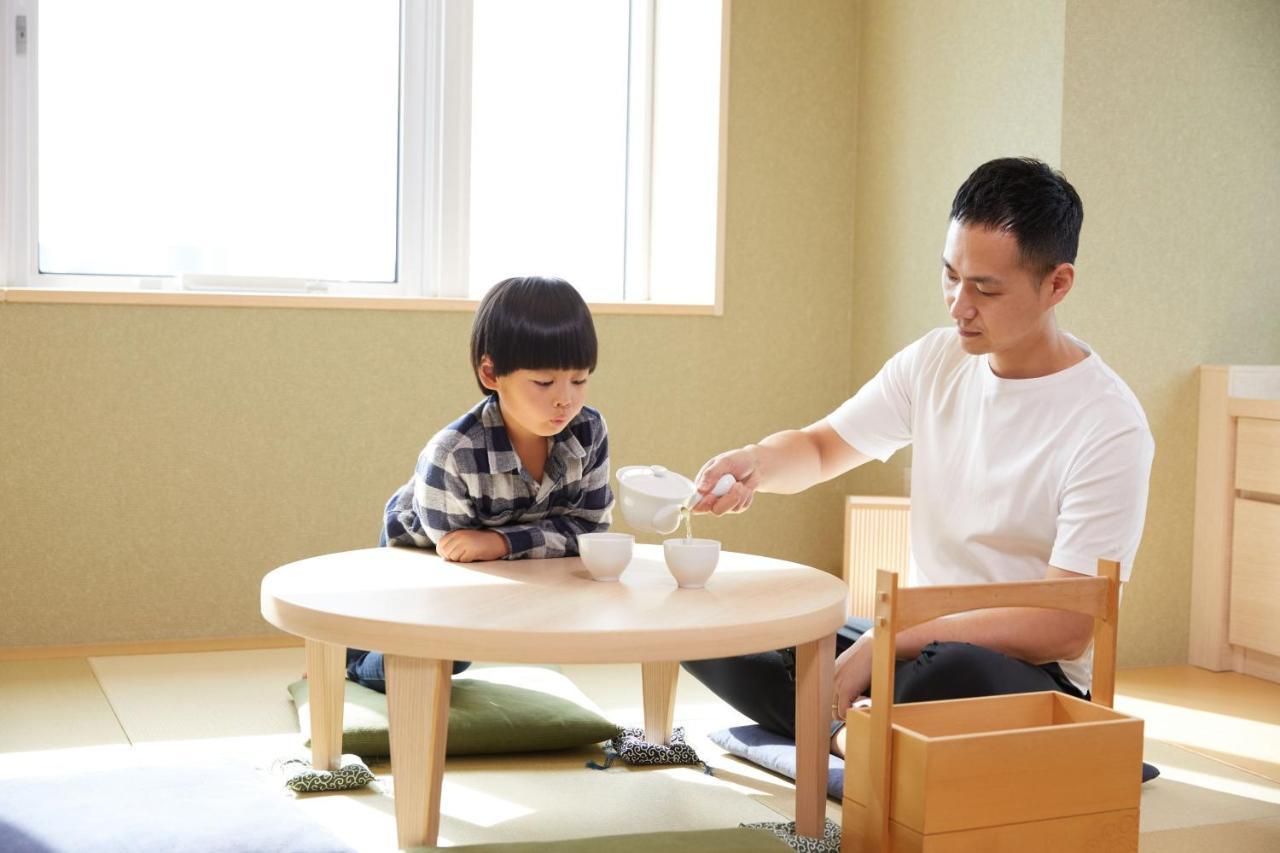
[743, 465]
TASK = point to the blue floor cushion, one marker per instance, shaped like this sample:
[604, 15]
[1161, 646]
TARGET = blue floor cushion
[778, 753]
[197, 808]
[774, 752]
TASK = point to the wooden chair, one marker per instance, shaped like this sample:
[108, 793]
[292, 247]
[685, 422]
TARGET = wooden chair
[1041, 771]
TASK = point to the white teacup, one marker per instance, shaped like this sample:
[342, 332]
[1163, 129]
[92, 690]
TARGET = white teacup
[605, 555]
[691, 561]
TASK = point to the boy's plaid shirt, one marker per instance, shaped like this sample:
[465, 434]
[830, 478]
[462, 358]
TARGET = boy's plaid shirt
[469, 477]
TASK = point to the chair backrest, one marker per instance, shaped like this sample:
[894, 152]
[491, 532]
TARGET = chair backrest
[899, 609]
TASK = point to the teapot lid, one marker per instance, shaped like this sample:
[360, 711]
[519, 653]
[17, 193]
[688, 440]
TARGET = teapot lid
[656, 481]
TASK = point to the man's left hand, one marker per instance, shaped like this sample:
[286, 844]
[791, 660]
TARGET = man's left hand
[472, 546]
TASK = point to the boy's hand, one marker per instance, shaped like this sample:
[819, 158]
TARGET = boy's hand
[472, 546]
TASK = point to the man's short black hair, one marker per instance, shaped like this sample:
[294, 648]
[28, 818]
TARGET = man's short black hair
[1028, 199]
[533, 323]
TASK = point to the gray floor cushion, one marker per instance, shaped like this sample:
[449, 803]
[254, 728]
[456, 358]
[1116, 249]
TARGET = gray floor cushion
[202, 808]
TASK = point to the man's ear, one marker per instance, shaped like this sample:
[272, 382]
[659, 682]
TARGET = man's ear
[1057, 283]
[485, 373]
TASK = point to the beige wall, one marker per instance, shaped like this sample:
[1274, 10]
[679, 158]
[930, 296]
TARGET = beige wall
[943, 88]
[1166, 117]
[1171, 132]
[156, 462]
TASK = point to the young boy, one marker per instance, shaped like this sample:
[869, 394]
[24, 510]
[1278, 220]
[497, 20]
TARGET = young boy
[525, 471]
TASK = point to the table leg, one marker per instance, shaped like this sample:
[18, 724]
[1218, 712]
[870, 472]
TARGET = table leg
[326, 688]
[418, 718]
[659, 680]
[814, 664]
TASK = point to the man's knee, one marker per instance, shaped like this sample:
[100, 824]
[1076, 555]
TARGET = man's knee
[707, 671]
[948, 671]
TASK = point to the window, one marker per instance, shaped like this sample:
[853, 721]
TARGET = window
[388, 148]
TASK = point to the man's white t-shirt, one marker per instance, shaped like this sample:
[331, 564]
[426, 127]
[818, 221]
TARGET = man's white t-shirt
[1008, 476]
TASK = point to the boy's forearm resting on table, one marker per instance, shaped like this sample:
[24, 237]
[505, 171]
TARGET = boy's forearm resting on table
[556, 536]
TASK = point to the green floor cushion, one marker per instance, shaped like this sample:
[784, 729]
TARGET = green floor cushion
[695, 841]
[491, 710]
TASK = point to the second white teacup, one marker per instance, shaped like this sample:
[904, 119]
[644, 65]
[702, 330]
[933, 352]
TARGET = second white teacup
[605, 555]
[691, 561]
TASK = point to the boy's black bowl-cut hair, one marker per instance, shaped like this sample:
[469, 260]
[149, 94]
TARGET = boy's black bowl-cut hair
[533, 323]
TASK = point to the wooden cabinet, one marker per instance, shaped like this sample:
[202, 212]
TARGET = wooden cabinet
[1235, 586]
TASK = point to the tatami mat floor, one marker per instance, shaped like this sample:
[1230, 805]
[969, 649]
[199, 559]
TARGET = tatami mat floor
[1215, 737]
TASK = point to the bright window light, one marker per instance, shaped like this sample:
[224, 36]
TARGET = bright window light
[239, 138]
[548, 142]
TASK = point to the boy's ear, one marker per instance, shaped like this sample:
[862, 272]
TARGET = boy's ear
[485, 373]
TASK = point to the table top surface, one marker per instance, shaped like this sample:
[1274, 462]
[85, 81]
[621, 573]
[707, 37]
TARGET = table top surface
[409, 601]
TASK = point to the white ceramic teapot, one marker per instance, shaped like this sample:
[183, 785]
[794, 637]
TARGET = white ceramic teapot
[651, 497]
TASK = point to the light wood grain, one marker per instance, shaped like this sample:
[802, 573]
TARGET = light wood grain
[151, 647]
[326, 688]
[658, 681]
[955, 765]
[1079, 595]
[877, 536]
[1258, 455]
[413, 605]
[410, 601]
[185, 299]
[886, 627]
[418, 724]
[814, 664]
[1255, 577]
[1241, 407]
[1033, 774]
[1211, 547]
[1261, 665]
[1105, 635]
[1238, 449]
[1114, 830]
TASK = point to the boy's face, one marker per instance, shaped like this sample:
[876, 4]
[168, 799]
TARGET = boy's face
[537, 402]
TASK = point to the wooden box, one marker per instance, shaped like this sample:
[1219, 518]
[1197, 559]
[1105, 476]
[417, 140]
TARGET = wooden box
[1028, 772]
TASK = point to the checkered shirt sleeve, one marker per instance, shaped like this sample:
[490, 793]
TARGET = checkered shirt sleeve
[468, 477]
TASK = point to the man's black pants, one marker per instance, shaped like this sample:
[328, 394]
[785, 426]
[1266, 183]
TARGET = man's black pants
[762, 686]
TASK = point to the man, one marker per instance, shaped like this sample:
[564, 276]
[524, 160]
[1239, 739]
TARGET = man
[1031, 460]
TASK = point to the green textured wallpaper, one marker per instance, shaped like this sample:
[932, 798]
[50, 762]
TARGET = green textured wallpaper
[158, 461]
[1166, 117]
[1171, 132]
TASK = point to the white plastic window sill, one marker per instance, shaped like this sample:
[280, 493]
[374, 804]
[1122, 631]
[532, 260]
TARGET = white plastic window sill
[278, 300]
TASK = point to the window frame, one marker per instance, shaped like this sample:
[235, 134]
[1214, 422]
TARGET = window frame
[434, 180]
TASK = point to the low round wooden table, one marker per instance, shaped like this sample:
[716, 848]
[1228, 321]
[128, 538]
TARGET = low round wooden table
[424, 613]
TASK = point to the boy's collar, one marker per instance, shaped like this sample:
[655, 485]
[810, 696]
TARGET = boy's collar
[503, 457]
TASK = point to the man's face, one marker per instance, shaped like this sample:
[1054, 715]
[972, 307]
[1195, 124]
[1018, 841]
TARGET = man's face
[998, 304]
